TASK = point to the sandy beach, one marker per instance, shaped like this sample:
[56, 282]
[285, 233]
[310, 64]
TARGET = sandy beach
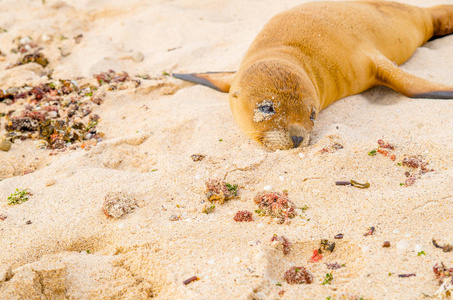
[120, 211]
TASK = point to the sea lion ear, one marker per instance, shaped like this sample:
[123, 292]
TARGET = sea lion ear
[220, 81]
[313, 114]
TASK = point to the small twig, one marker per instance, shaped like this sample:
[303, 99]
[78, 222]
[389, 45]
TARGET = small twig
[445, 248]
[343, 183]
[338, 236]
[406, 275]
[370, 231]
[191, 279]
[360, 185]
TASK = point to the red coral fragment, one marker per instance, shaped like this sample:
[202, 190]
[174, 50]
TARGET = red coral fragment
[385, 145]
[441, 271]
[298, 275]
[284, 241]
[410, 181]
[316, 256]
[412, 161]
[387, 154]
[243, 216]
[276, 205]
[219, 190]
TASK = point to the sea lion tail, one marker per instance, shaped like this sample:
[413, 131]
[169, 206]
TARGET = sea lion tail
[442, 16]
[220, 81]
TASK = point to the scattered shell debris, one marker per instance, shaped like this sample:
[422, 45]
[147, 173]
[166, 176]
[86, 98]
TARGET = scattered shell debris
[281, 241]
[118, 204]
[276, 205]
[219, 190]
[331, 149]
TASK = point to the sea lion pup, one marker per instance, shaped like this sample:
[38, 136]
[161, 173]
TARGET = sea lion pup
[306, 58]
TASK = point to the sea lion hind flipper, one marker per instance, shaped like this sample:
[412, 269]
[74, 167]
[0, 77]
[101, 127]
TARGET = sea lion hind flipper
[220, 81]
[392, 76]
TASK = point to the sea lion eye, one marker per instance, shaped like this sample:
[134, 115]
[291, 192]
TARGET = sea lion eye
[266, 107]
[313, 115]
[264, 111]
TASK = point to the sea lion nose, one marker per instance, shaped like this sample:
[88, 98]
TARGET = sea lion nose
[297, 140]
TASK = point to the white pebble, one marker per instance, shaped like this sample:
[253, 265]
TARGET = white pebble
[268, 187]
[260, 255]
[407, 235]
[418, 248]
[45, 38]
[121, 225]
[403, 244]
[301, 155]
[211, 261]
[365, 249]
[236, 260]
[198, 176]
[25, 40]
[281, 178]
[396, 231]
[260, 225]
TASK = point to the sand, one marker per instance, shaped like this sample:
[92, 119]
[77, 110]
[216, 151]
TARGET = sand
[60, 245]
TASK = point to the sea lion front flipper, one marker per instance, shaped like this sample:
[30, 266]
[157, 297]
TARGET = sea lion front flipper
[220, 81]
[389, 74]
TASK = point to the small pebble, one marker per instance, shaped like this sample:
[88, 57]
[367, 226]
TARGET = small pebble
[418, 248]
[25, 40]
[236, 260]
[407, 235]
[396, 231]
[386, 244]
[5, 145]
[365, 249]
[121, 225]
[28, 222]
[301, 155]
[281, 178]
[191, 279]
[211, 261]
[174, 218]
[138, 57]
[46, 38]
[338, 236]
[403, 244]
[50, 182]
[267, 188]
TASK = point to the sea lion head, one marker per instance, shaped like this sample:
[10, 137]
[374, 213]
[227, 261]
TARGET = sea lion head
[275, 103]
